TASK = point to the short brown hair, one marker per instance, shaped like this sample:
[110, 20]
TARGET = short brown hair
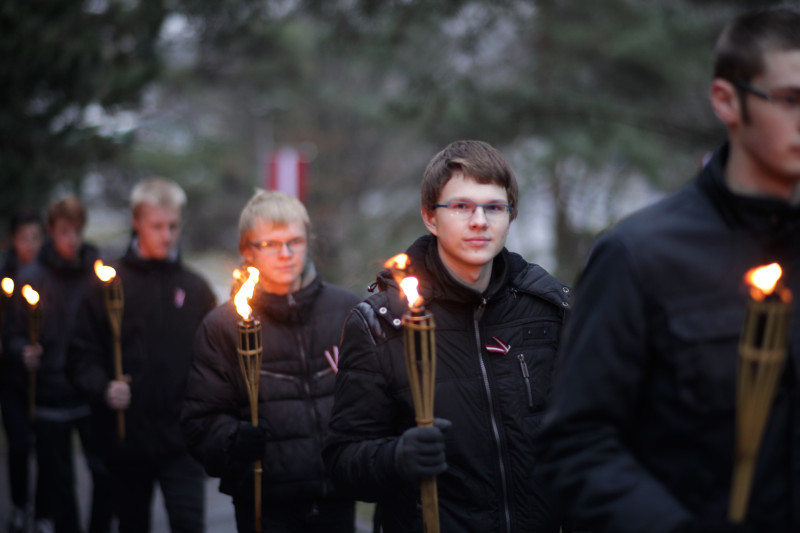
[477, 160]
[68, 208]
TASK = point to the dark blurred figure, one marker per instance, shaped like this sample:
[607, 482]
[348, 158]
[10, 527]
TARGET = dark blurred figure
[60, 275]
[26, 239]
[641, 432]
[164, 304]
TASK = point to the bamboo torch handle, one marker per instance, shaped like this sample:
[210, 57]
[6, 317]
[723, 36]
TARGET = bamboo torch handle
[118, 377]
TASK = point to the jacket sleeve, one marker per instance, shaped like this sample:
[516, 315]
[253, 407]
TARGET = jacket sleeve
[89, 353]
[359, 451]
[583, 440]
[209, 416]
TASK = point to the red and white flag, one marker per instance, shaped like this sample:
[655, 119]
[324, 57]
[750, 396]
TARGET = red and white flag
[286, 172]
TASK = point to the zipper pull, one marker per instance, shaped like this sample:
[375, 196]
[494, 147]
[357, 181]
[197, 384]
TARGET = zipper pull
[526, 377]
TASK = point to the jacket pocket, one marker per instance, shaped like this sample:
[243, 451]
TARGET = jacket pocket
[703, 352]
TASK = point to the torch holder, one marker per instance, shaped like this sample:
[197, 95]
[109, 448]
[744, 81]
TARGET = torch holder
[762, 352]
[34, 331]
[250, 353]
[115, 303]
[420, 354]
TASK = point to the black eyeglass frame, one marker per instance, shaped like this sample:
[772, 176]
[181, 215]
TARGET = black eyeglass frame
[746, 87]
[509, 208]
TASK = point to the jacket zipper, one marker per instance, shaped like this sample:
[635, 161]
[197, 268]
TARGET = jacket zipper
[526, 377]
[305, 380]
[495, 427]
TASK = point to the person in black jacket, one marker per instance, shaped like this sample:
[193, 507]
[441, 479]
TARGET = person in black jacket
[61, 275]
[301, 318]
[164, 304]
[640, 434]
[498, 321]
[26, 240]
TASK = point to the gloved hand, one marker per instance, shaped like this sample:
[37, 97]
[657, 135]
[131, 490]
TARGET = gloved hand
[420, 451]
[249, 441]
[714, 527]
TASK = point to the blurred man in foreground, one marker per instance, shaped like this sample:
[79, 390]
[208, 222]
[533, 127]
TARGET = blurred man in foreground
[641, 433]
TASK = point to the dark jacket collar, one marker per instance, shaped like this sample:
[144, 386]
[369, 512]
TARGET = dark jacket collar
[771, 221]
[134, 260]
[435, 280]
[292, 308]
[83, 263]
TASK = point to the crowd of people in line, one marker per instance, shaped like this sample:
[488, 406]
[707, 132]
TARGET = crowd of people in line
[611, 411]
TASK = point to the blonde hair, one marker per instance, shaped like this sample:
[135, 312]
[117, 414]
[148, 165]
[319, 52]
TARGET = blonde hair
[275, 207]
[158, 192]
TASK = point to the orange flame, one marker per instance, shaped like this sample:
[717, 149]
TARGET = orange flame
[105, 273]
[8, 286]
[763, 280]
[245, 293]
[30, 295]
[409, 286]
[398, 262]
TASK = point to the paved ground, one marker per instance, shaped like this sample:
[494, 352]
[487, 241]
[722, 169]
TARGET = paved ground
[219, 509]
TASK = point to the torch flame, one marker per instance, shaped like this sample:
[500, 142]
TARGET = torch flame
[8, 286]
[31, 295]
[763, 280]
[398, 262]
[409, 286]
[245, 293]
[105, 273]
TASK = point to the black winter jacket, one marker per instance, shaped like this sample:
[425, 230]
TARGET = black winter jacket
[295, 391]
[641, 431]
[61, 286]
[494, 400]
[164, 305]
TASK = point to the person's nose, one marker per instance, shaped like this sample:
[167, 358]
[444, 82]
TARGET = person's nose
[478, 217]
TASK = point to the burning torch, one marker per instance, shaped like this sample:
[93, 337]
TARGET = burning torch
[420, 353]
[115, 303]
[34, 329]
[250, 352]
[7, 285]
[762, 352]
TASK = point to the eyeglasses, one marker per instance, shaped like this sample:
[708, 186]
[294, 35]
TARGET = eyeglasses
[467, 209]
[787, 98]
[275, 247]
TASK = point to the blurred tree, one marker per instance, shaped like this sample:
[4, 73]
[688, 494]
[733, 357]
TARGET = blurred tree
[57, 60]
[586, 98]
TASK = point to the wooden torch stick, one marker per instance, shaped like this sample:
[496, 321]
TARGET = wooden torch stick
[115, 303]
[762, 352]
[34, 330]
[420, 355]
[250, 354]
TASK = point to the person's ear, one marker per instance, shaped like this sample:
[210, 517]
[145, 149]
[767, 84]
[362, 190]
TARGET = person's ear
[725, 102]
[429, 218]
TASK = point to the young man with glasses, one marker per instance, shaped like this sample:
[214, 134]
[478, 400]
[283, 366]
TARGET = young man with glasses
[498, 320]
[301, 319]
[641, 431]
[164, 303]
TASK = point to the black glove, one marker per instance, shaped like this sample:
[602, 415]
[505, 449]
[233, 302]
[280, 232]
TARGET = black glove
[714, 527]
[249, 441]
[420, 451]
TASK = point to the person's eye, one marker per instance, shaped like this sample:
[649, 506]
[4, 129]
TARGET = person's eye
[791, 99]
[270, 245]
[494, 209]
[462, 206]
